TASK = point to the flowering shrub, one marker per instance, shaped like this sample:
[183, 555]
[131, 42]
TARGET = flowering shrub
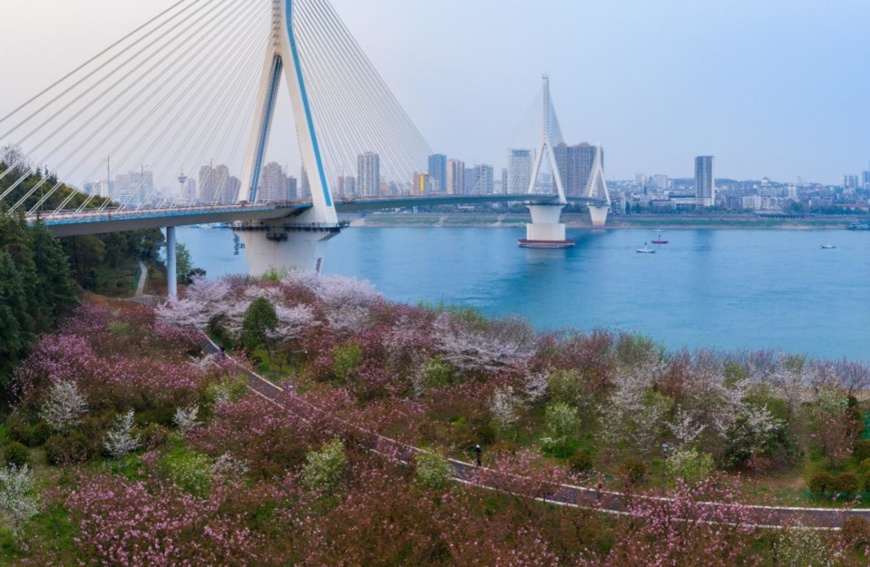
[185, 418]
[433, 470]
[325, 468]
[689, 465]
[64, 407]
[18, 499]
[137, 523]
[120, 440]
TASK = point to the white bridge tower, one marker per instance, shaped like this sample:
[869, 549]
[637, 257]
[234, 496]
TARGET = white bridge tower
[300, 241]
[546, 229]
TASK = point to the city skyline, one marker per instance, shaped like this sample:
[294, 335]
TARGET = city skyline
[771, 90]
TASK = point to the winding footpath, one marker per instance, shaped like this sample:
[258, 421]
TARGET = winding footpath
[603, 501]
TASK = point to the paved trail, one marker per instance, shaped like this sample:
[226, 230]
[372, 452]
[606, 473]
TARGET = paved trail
[566, 495]
[143, 277]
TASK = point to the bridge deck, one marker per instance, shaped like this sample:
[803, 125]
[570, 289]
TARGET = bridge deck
[99, 222]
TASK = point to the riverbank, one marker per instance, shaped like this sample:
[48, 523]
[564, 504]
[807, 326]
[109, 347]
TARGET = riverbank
[581, 220]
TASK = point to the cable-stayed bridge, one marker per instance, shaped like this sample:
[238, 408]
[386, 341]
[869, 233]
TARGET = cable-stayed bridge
[203, 82]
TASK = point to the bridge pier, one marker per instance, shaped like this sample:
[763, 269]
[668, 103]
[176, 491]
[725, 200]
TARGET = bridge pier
[171, 263]
[281, 245]
[546, 229]
[599, 215]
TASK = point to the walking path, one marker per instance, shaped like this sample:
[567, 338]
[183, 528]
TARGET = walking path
[561, 494]
[143, 277]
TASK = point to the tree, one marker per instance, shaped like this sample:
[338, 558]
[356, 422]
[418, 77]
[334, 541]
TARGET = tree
[183, 264]
[324, 469]
[433, 470]
[64, 407]
[86, 254]
[18, 500]
[260, 320]
[14, 332]
[185, 418]
[120, 439]
[55, 286]
[505, 407]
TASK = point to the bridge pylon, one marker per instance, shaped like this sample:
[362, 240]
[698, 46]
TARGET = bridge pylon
[546, 229]
[597, 189]
[297, 242]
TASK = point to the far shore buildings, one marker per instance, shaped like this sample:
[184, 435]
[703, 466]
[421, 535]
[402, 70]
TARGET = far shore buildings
[438, 172]
[519, 171]
[216, 185]
[705, 184]
[275, 184]
[369, 174]
[455, 177]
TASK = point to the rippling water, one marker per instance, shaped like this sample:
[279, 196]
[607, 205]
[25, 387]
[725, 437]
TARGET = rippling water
[725, 289]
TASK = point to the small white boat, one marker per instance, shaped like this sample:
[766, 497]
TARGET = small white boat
[646, 250]
[828, 246]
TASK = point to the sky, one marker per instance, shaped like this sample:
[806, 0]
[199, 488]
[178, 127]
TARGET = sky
[775, 88]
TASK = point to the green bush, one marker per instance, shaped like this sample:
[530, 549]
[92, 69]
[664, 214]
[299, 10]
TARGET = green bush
[690, 465]
[153, 436]
[437, 373]
[862, 450]
[30, 435]
[846, 483]
[16, 454]
[325, 468]
[864, 467]
[633, 471]
[580, 463]
[822, 482]
[433, 470]
[189, 470]
[345, 361]
[485, 433]
[73, 448]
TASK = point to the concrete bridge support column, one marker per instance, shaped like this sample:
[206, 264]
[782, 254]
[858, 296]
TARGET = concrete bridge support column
[274, 245]
[171, 264]
[599, 215]
[546, 230]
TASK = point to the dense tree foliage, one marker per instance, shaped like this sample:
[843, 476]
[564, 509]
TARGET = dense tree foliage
[37, 182]
[36, 288]
[168, 460]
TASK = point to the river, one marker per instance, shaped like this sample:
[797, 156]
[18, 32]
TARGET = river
[727, 289]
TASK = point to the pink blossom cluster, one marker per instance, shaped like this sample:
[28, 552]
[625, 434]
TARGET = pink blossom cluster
[153, 524]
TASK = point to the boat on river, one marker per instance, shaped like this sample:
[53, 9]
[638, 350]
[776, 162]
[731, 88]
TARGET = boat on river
[659, 239]
[646, 250]
[828, 246]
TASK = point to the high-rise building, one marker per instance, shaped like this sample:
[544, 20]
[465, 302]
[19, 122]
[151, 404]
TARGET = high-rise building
[292, 187]
[483, 179]
[134, 188]
[575, 166]
[470, 178]
[438, 172]
[705, 186]
[273, 183]
[421, 183]
[455, 177]
[231, 190]
[346, 186]
[850, 181]
[865, 179]
[368, 174]
[189, 190]
[504, 180]
[520, 163]
[213, 185]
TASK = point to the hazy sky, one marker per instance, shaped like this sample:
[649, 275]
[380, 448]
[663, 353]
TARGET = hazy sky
[770, 87]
